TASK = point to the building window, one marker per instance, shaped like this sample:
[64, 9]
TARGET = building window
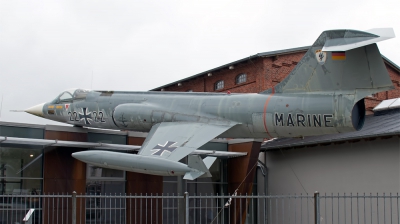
[241, 78]
[103, 181]
[219, 85]
[21, 171]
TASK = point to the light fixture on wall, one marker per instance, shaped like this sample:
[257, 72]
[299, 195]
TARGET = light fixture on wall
[209, 74]
[162, 89]
[231, 67]
[179, 84]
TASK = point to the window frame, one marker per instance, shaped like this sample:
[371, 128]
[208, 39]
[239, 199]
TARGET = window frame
[219, 85]
[94, 178]
[239, 78]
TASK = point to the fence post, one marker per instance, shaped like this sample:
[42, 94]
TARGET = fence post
[73, 207]
[186, 196]
[316, 208]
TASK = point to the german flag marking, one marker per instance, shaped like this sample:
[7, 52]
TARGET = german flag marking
[338, 55]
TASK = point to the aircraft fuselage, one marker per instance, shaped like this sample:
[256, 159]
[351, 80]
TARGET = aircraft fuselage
[256, 115]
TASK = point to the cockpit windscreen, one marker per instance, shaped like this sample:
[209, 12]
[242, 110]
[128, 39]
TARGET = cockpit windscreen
[70, 95]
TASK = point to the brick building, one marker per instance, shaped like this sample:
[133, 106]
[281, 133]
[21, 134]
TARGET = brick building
[263, 71]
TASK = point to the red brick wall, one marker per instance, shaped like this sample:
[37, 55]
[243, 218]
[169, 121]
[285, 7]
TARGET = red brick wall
[277, 68]
[264, 73]
[253, 69]
[371, 102]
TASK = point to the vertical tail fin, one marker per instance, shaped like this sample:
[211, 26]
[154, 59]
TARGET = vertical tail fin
[341, 60]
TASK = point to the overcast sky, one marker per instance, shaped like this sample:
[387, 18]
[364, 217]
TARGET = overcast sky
[49, 46]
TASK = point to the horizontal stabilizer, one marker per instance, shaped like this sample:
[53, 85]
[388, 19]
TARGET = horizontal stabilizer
[200, 167]
[192, 175]
[358, 39]
[208, 161]
[197, 163]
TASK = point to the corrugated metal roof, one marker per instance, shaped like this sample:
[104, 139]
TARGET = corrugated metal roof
[375, 126]
[264, 54]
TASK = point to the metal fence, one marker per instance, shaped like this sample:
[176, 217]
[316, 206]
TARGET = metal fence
[276, 209]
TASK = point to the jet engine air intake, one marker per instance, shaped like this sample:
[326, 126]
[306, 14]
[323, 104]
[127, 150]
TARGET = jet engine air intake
[358, 115]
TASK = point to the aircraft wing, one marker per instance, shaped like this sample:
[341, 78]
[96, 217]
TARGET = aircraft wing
[175, 140]
[21, 142]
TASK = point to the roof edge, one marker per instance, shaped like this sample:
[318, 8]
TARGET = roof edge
[390, 63]
[263, 54]
[263, 148]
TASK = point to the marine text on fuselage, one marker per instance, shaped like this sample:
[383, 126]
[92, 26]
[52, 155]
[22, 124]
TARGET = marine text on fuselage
[303, 120]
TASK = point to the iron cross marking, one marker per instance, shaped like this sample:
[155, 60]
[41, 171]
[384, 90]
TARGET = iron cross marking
[85, 116]
[160, 149]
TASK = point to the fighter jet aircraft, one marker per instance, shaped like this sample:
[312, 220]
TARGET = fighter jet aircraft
[324, 94]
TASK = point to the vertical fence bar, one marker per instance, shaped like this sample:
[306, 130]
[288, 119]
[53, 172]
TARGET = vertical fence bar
[283, 210]
[290, 213]
[265, 210]
[222, 210]
[141, 208]
[217, 210]
[120, 207]
[384, 209]
[316, 208]
[73, 218]
[370, 200]
[157, 208]
[186, 196]
[301, 208]
[358, 211]
[135, 209]
[62, 208]
[81, 210]
[377, 207]
[325, 216]
[276, 210]
[338, 208]
[229, 214]
[258, 208]
[200, 208]
[398, 211]
[365, 216]
[391, 210]
[295, 209]
[240, 208]
[332, 208]
[308, 210]
[146, 210]
[351, 208]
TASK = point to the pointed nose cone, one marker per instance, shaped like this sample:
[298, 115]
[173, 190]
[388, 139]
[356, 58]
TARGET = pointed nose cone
[89, 156]
[83, 156]
[36, 110]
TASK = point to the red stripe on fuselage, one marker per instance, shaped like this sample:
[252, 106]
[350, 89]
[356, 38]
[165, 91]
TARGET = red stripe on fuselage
[265, 111]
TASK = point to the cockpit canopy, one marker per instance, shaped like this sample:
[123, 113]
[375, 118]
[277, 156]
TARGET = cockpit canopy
[70, 95]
